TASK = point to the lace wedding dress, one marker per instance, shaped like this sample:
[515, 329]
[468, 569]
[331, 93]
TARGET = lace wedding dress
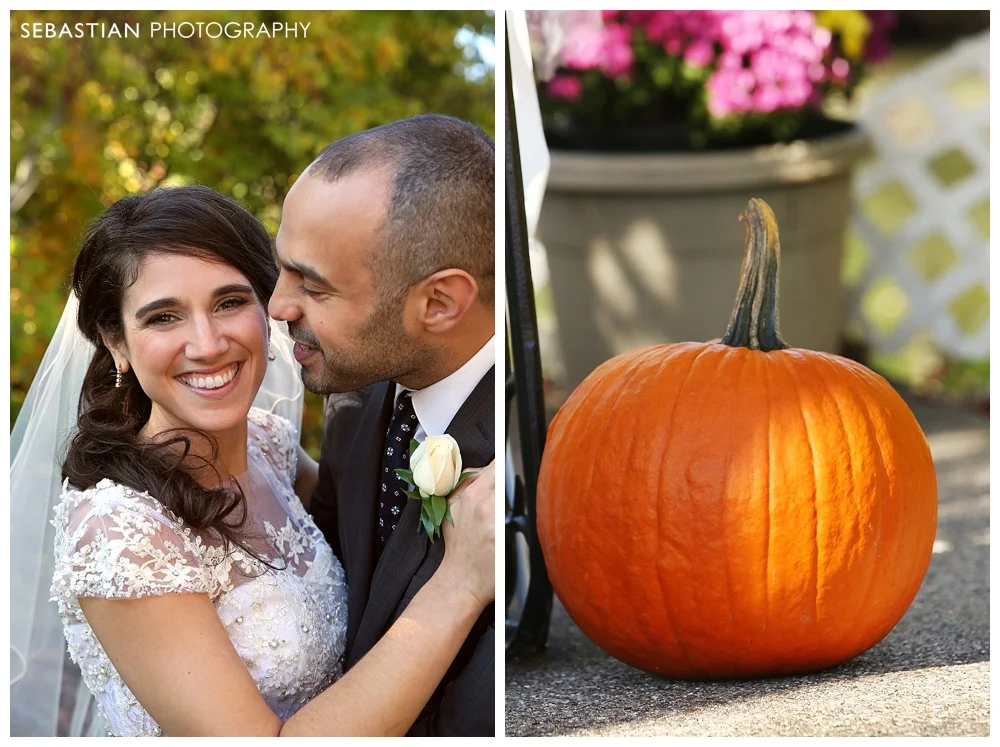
[288, 625]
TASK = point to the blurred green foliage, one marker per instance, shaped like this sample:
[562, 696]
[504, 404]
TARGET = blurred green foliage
[94, 120]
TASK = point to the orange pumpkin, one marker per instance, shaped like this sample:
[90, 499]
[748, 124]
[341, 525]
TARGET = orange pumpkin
[736, 508]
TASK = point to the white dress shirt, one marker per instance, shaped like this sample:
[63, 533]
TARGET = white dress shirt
[436, 405]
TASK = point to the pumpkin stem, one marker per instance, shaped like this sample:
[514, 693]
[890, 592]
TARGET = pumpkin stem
[754, 323]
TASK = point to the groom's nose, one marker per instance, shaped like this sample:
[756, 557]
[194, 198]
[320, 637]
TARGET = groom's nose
[281, 306]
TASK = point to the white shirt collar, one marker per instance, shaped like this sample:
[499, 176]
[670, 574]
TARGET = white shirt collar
[437, 404]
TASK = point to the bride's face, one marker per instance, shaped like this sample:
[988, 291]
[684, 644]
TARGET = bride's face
[196, 338]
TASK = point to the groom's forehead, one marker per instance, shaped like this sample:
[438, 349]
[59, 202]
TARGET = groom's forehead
[327, 223]
[363, 190]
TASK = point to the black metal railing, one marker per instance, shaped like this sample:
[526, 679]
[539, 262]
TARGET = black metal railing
[528, 591]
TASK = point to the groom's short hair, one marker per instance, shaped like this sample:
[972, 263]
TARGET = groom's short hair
[441, 206]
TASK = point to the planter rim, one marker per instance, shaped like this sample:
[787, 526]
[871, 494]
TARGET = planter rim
[708, 171]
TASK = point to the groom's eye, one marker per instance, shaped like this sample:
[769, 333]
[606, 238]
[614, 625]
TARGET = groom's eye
[310, 293]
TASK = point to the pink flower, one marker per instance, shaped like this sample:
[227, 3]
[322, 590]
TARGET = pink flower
[767, 98]
[729, 92]
[699, 53]
[617, 55]
[608, 48]
[581, 49]
[566, 87]
[757, 61]
[840, 68]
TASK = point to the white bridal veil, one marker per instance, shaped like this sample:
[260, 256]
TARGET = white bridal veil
[47, 694]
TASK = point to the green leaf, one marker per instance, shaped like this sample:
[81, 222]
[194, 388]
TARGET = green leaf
[439, 506]
[412, 494]
[405, 474]
[423, 494]
[428, 526]
[447, 515]
[413, 445]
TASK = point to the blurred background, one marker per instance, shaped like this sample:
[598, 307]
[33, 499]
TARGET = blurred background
[94, 120]
[866, 131]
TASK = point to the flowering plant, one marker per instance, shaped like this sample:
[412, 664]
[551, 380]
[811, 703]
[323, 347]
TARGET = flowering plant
[711, 77]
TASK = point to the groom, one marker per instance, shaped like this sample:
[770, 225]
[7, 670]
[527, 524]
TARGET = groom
[386, 249]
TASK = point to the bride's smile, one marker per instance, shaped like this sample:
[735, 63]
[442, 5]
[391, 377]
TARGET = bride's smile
[212, 383]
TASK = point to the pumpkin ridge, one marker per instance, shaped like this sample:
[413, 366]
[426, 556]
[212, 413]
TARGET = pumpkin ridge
[725, 502]
[578, 399]
[858, 404]
[633, 368]
[584, 427]
[770, 493]
[785, 363]
[659, 534]
[884, 483]
[640, 369]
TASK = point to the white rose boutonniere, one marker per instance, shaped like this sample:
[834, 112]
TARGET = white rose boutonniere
[435, 471]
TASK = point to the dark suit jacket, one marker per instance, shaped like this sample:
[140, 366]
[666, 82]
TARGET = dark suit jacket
[345, 507]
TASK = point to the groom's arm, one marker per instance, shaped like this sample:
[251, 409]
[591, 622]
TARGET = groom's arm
[468, 703]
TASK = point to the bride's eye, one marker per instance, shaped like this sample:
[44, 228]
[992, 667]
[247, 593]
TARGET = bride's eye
[160, 319]
[233, 303]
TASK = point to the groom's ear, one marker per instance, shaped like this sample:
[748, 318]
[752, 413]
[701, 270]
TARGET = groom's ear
[445, 298]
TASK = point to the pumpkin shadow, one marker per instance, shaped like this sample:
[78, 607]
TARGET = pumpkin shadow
[574, 685]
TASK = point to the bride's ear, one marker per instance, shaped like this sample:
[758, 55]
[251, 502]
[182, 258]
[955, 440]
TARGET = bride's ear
[445, 298]
[117, 352]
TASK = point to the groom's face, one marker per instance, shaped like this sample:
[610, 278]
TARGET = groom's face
[326, 291]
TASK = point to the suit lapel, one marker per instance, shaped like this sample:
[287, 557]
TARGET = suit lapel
[473, 429]
[359, 542]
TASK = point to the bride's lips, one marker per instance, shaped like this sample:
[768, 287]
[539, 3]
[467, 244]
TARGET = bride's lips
[219, 393]
[302, 351]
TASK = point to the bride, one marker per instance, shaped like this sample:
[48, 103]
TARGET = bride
[195, 593]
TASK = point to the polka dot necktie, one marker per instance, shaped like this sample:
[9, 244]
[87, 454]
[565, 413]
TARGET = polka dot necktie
[396, 455]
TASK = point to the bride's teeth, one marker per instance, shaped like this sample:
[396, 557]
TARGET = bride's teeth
[212, 382]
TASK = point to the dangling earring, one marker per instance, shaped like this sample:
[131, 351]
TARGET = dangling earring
[118, 377]
[271, 355]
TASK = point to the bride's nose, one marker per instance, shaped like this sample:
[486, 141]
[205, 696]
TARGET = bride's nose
[207, 340]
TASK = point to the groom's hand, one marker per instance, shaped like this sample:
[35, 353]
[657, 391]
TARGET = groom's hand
[469, 546]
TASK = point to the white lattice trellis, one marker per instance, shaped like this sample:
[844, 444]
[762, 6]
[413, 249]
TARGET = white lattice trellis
[921, 209]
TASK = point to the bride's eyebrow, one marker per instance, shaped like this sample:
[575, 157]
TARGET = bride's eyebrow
[160, 303]
[163, 303]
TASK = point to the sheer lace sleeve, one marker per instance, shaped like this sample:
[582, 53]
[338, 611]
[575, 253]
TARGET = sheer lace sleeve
[114, 542]
[278, 440]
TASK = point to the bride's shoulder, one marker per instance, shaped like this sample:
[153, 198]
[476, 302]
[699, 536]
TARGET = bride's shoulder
[105, 498]
[276, 436]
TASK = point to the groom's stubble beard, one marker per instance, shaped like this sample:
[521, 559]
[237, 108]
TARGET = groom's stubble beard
[379, 351]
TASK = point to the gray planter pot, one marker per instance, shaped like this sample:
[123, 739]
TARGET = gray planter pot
[646, 249]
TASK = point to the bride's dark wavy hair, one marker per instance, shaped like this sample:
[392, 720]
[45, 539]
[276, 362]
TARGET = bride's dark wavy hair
[187, 221]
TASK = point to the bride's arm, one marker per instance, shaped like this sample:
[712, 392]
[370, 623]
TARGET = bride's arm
[176, 657]
[306, 477]
[384, 693]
